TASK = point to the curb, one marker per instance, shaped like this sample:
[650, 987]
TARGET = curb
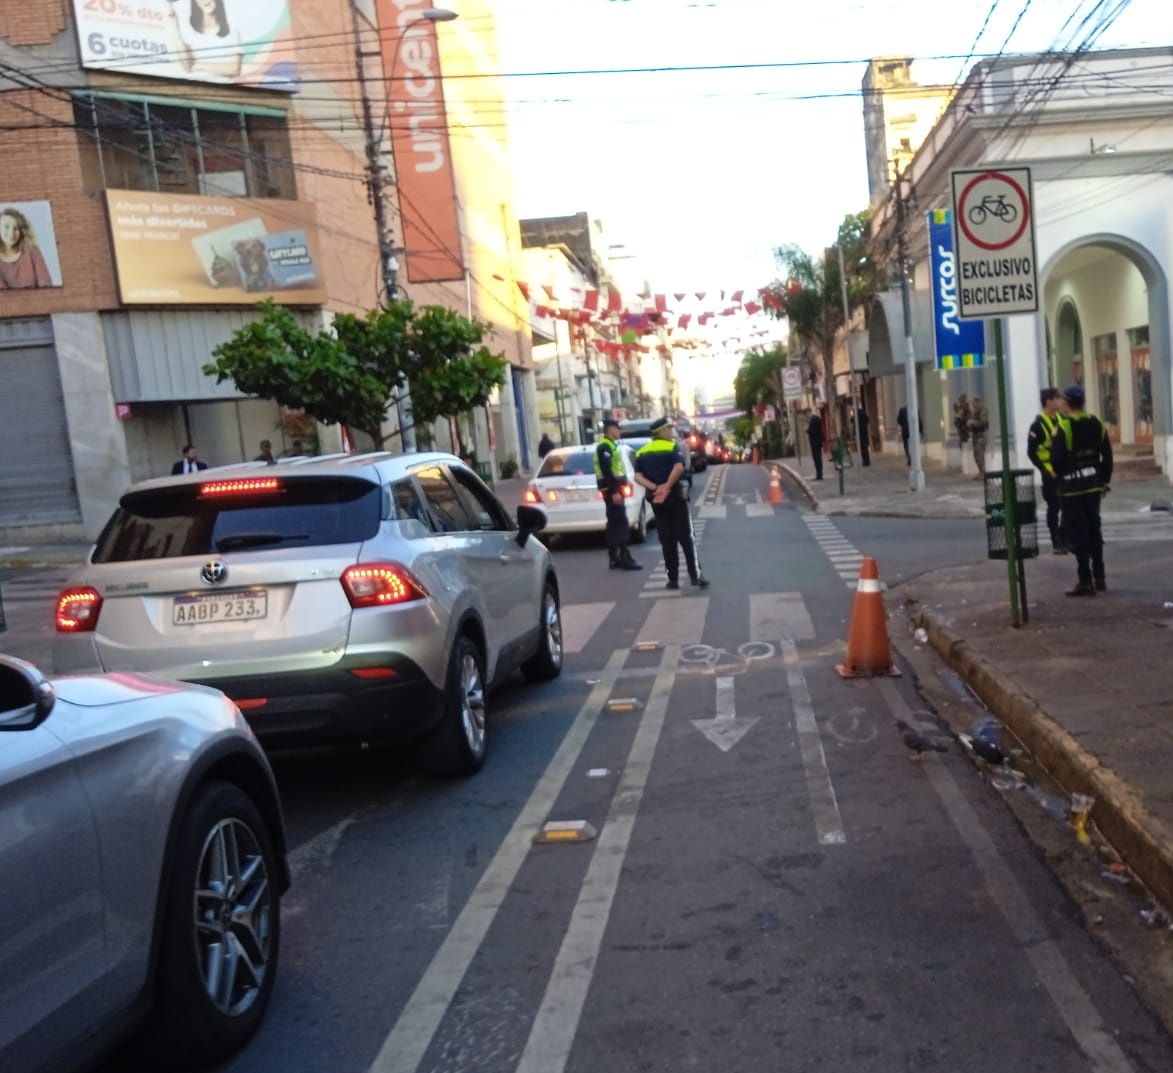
[800, 481]
[1143, 840]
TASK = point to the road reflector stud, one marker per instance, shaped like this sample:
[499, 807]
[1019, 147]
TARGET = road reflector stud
[566, 831]
[623, 704]
[648, 646]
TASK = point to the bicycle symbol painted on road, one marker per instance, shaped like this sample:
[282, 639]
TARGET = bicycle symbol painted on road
[722, 661]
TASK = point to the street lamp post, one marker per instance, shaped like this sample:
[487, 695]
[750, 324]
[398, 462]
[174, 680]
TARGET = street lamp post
[379, 182]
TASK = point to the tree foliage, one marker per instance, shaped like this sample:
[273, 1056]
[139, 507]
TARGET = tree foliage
[353, 374]
[756, 382]
[809, 294]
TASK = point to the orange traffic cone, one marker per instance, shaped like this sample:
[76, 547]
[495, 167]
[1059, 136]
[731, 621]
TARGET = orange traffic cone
[774, 494]
[868, 653]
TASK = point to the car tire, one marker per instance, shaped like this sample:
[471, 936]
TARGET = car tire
[639, 532]
[457, 744]
[221, 917]
[546, 662]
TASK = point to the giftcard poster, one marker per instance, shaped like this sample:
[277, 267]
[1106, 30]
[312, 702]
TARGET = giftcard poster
[242, 42]
[189, 250]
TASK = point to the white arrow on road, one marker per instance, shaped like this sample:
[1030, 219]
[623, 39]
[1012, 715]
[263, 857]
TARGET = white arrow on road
[725, 730]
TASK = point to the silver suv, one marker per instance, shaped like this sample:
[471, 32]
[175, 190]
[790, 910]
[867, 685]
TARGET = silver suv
[346, 598]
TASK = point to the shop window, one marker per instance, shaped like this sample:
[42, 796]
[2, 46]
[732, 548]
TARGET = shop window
[146, 144]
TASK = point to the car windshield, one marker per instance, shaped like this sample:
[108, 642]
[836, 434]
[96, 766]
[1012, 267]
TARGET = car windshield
[571, 464]
[167, 523]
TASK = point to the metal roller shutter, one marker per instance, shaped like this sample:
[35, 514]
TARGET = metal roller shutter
[36, 463]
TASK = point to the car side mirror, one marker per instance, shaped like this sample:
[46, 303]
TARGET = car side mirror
[530, 520]
[26, 697]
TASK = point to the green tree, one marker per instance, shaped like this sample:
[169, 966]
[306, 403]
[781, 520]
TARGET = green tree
[758, 383]
[353, 374]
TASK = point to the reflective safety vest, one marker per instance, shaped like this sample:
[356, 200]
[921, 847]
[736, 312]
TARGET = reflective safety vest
[1083, 436]
[616, 463]
[1050, 424]
[656, 458]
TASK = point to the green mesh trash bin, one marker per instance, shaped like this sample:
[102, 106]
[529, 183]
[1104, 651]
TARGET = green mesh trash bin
[1025, 514]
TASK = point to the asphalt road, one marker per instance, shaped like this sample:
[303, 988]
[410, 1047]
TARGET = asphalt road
[774, 883]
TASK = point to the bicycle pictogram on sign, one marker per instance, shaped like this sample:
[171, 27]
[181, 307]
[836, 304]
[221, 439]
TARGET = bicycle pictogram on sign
[994, 211]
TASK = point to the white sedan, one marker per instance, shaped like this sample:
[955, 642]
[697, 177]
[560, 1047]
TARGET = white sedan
[566, 488]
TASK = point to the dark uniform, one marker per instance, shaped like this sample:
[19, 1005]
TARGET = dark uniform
[1038, 450]
[610, 477]
[1081, 455]
[655, 461]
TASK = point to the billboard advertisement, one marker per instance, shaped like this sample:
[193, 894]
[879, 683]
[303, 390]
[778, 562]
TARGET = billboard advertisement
[960, 344]
[182, 249]
[243, 42]
[28, 246]
[419, 140]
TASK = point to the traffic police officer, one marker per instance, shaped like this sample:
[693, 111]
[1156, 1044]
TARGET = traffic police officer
[1081, 455]
[1038, 450]
[611, 477]
[659, 467]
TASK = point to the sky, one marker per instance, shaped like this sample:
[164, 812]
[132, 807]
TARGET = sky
[702, 174]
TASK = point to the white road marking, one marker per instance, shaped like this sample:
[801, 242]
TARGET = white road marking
[825, 806]
[579, 622]
[710, 511]
[725, 730]
[1070, 999]
[548, 1048]
[780, 614]
[759, 510]
[408, 1041]
[667, 625]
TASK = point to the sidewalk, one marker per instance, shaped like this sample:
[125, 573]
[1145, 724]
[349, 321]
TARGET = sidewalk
[1083, 684]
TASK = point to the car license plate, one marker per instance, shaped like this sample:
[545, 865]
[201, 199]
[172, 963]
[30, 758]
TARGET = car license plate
[198, 609]
[577, 495]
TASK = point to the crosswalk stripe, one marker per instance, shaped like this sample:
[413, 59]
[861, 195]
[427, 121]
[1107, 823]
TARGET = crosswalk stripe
[579, 622]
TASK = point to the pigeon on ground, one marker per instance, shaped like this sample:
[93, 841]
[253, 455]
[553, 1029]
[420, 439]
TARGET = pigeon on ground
[916, 743]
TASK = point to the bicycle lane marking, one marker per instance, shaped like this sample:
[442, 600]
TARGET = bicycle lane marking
[548, 1048]
[410, 1036]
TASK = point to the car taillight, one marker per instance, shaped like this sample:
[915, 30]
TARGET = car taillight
[380, 585]
[628, 491]
[531, 496]
[241, 487]
[551, 496]
[77, 610]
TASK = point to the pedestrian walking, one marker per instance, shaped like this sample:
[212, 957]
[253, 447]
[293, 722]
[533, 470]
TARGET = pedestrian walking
[905, 435]
[814, 433]
[189, 461]
[865, 446]
[659, 468]
[266, 454]
[611, 477]
[1081, 455]
[979, 424]
[545, 445]
[1038, 450]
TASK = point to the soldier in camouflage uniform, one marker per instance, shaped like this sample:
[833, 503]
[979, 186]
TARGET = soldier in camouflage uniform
[979, 423]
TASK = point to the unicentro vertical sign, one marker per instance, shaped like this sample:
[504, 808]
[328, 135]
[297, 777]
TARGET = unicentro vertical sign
[424, 176]
[960, 344]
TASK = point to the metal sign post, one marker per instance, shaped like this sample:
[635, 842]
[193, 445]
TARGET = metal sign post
[994, 243]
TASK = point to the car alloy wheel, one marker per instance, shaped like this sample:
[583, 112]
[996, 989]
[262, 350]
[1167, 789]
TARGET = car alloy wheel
[472, 702]
[546, 662]
[233, 902]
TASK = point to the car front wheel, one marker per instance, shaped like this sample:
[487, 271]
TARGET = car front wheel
[221, 931]
[456, 745]
[546, 662]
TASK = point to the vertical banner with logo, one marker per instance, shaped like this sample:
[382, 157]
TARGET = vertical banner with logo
[960, 344]
[419, 140]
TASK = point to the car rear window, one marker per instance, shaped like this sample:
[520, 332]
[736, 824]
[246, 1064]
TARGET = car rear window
[167, 523]
[568, 465]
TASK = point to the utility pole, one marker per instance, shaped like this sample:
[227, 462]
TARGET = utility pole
[916, 476]
[378, 184]
[847, 344]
